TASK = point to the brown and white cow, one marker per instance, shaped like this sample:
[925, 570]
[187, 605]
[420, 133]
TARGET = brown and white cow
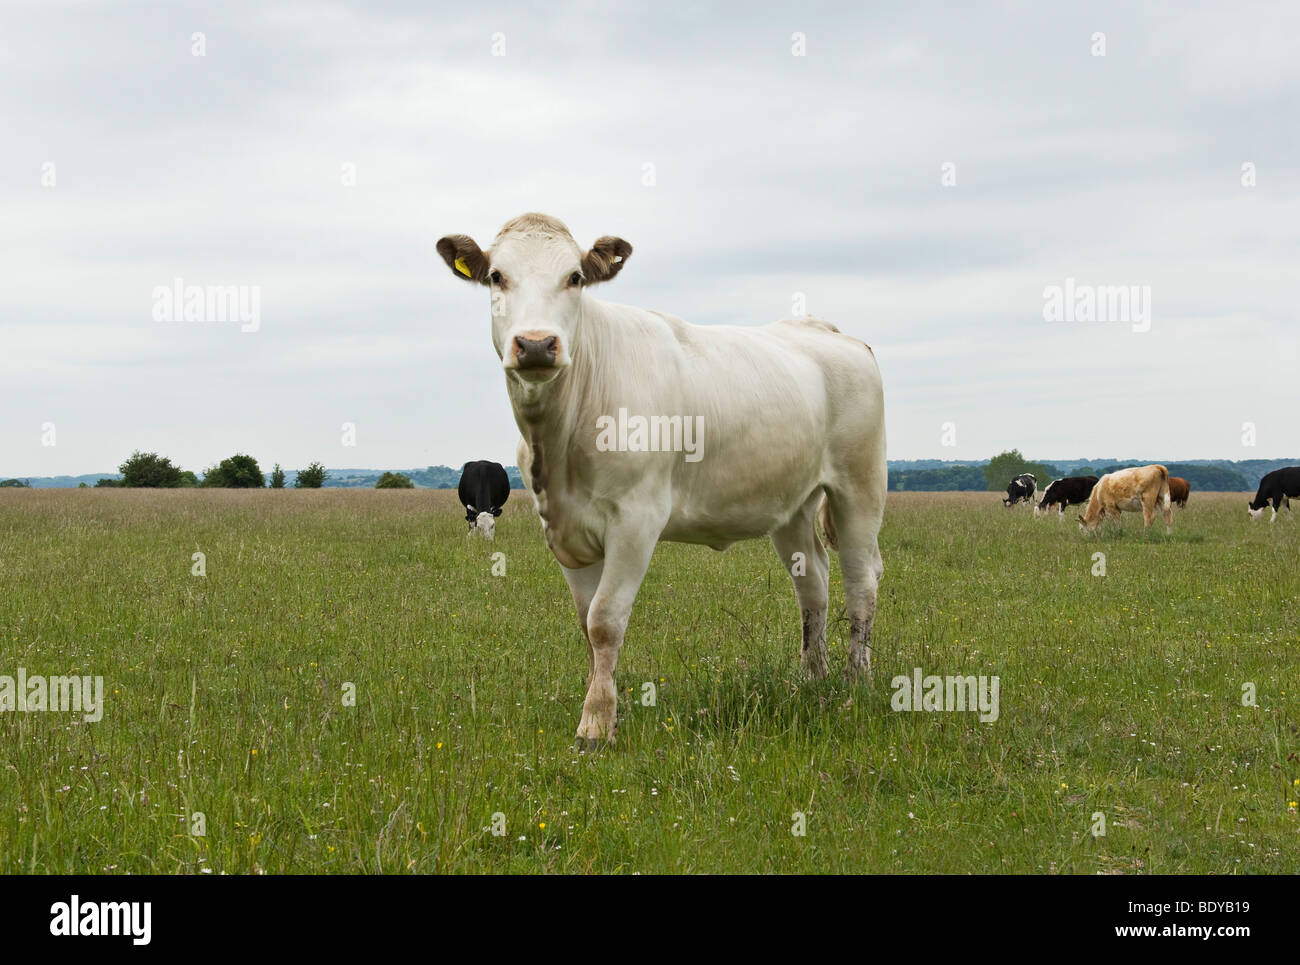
[785, 417]
[1128, 490]
[1179, 491]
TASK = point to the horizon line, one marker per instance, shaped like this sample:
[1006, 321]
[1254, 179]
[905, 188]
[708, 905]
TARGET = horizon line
[1049, 461]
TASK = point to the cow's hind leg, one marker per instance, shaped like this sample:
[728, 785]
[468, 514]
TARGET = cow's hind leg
[1148, 515]
[857, 521]
[805, 559]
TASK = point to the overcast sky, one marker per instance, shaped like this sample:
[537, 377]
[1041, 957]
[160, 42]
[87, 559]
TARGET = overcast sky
[129, 162]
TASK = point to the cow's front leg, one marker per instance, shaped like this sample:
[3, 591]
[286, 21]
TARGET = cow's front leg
[627, 557]
[583, 583]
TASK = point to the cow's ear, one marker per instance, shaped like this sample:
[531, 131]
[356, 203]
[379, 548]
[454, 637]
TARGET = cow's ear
[605, 260]
[464, 257]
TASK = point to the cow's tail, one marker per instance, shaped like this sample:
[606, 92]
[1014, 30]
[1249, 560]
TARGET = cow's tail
[1164, 495]
[827, 523]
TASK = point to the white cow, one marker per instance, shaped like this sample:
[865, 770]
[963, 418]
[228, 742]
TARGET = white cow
[637, 427]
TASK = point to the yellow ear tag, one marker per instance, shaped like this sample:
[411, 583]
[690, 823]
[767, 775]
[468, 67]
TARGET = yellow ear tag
[463, 268]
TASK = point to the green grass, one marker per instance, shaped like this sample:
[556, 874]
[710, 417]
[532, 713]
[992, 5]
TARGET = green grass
[1119, 694]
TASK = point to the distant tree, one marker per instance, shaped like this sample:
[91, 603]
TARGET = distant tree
[1116, 467]
[313, 477]
[237, 472]
[1210, 478]
[150, 471]
[945, 479]
[14, 484]
[1202, 477]
[394, 480]
[108, 483]
[277, 477]
[82, 485]
[188, 480]
[1005, 466]
[445, 477]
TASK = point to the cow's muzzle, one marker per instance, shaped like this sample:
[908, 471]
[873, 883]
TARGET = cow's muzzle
[536, 353]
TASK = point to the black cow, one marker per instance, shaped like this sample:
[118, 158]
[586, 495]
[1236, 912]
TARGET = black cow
[1021, 488]
[1066, 492]
[1277, 488]
[484, 488]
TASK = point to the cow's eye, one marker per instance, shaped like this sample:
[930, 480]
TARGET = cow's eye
[575, 279]
[495, 276]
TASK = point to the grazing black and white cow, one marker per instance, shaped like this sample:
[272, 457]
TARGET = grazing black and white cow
[1019, 489]
[1069, 491]
[1278, 488]
[484, 488]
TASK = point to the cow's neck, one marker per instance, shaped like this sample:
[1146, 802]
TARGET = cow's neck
[550, 415]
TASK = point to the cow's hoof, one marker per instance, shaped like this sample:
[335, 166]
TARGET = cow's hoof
[592, 744]
[813, 662]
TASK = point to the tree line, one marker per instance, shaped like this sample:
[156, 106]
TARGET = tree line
[148, 470]
[994, 475]
[433, 477]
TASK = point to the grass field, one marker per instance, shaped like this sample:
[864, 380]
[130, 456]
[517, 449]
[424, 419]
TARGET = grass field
[1120, 694]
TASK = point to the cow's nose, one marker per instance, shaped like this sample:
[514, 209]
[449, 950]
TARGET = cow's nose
[536, 353]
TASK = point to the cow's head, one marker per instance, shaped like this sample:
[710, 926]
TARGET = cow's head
[1254, 513]
[485, 522]
[536, 272]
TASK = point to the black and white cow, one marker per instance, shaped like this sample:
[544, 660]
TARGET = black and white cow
[1278, 488]
[484, 488]
[1069, 491]
[1019, 489]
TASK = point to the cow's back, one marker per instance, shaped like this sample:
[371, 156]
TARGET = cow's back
[804, 407]
[483, 482]
[783, 408]
[1280, 482]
